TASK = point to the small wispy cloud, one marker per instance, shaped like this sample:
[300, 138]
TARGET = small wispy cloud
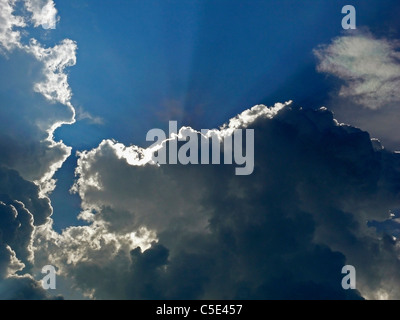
[82, 114]
[369, 66]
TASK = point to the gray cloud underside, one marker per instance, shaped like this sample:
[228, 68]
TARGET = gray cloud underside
[283, 232]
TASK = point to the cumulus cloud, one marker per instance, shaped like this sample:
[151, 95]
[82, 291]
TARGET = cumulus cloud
[23, 288]
[44, 13]
[55, 85]
[283, 232]
[85, 115]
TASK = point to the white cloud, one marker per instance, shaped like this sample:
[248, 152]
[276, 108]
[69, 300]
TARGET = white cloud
[52, 83]
[370, 95]
[20, 211]
[44, 13]
[9, 37]
[55, 86]
[369, 66]
[208, 233]
[27, 143]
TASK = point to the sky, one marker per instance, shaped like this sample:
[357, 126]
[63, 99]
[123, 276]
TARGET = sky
[83, 82]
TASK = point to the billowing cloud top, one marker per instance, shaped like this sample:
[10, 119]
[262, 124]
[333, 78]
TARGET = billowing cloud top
[203, 232]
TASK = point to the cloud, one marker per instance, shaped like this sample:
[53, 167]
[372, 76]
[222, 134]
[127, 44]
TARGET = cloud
[283, 232]
[21, 210]
[369, 66]
[9, 37]
[36, 99]
[36, 156]
[44, 13]
[196, 231]
[23, 288]
[55, 86]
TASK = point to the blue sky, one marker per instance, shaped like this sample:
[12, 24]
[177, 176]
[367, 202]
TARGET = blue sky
[209, 59]
[198, 62]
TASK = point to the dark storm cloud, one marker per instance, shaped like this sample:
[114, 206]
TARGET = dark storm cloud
[283, 232]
